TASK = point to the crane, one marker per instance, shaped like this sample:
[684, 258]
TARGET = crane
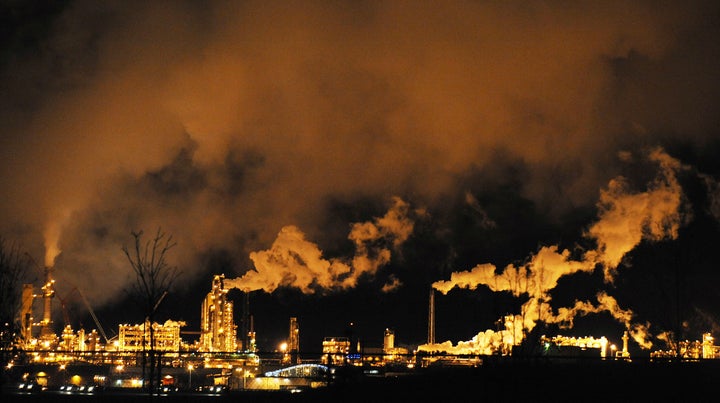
[87, 305]
[92, 313]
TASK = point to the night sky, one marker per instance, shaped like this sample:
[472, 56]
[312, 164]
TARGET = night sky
[339, 159]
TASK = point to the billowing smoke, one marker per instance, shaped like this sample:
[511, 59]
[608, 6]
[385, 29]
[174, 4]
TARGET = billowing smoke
[625, 219]
[268, 126]
[606, 303]
[293, 261]
[52, 249]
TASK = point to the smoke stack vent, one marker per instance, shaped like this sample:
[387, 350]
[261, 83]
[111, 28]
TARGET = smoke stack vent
[431, 318]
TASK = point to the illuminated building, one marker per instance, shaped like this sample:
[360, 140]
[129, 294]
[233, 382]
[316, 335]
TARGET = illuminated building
[294, 337]
[68, 339]
[218, 331]
[137, 337]
[47, 335]
[297, 377]
[82, 342]
[390, 352]
[388, 341]
[251, 340]
[575, 346]
[624, 353]
[709, 350]
[691, 349]
[93, 341]
[335, 350]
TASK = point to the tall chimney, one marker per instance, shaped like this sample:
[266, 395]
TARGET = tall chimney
[48, 292]
[245, 331]
[431, 318]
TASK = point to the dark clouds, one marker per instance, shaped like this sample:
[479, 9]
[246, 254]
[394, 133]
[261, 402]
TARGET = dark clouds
[225, 122]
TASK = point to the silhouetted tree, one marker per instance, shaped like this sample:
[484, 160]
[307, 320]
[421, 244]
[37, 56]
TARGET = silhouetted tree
[153, 279]
[14, 269]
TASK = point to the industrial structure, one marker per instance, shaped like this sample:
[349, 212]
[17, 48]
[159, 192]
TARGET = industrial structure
[218, 331]
[46, 338]
[294, 344]
[392, 353]
[691, 349]
[231, 359]
[431, 318]
[335, 350]
[48, 292]
[165, 337]
[574, 346]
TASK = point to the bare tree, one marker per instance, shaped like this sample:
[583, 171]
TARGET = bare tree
[153, 279]
[14, 271]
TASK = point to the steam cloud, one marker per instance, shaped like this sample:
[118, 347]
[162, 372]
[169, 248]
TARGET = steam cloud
[625, 219]
[292, 261]
[226, 122]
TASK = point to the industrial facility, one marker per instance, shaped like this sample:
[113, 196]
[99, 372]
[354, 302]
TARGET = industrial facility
[228, 359]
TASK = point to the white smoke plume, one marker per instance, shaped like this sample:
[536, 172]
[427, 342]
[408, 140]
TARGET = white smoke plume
[52, 239]
[486, 342]
[605, 303]
[293, 261]
[231, 124]
[625, 219]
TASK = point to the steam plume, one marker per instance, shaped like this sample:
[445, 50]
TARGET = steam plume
[52, 238]
[236, 124]
[293, 261]
[625, 219]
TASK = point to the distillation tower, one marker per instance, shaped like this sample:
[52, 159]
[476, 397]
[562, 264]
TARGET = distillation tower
[218, 331]
[294, 344]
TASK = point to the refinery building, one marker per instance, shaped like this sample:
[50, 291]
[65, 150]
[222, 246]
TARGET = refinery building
[227, 353]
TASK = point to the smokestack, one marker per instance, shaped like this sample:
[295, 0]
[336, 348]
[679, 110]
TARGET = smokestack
[48, 292]
[431, 318]
[245, 331]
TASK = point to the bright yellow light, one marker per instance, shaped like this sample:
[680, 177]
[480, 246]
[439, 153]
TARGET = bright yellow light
[283, 347]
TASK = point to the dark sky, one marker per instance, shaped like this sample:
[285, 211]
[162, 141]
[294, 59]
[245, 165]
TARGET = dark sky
[554, 160]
